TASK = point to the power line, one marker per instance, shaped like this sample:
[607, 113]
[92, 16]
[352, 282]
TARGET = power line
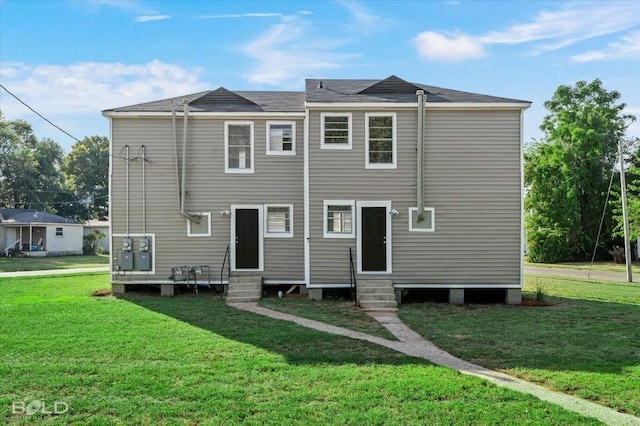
[40, 115]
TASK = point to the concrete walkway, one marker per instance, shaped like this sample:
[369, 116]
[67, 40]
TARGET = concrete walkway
[579, 273]
[411, 343]
[53, 272]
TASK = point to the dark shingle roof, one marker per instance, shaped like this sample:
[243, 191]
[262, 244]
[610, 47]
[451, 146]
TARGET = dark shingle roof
[31, 216]
[223, 100]
[391, 89]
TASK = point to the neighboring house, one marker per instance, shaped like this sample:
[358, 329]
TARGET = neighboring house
[102, 225]
[293, 182]
[36, 233]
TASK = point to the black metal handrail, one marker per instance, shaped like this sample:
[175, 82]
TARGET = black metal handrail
[352, 279]
[224, 262]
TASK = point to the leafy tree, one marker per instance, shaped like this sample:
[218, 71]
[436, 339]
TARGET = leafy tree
[30, 175]
[632, 177]
[87, 168]
[567, 172]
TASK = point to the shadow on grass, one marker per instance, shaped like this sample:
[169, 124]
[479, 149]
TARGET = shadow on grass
[570, 335]
[298, 344]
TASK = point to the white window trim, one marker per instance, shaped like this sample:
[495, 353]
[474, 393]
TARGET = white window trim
[293, 138]
[389, 244]
[232, 241]
[350, 203]
[349, 129]
[268, 234]
[226, 146]
[394, 149]
[433, 220]
[203, 216]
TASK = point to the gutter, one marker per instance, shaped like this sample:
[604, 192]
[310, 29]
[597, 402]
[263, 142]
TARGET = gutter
[181, 185]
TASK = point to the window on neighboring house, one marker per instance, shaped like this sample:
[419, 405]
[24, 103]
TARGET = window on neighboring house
[335, 130]
[201, 228]
[281, 138]
[425, 225]
[339, 219]
[380, 137]
[238, 147]
[59, 232]
[279, 220]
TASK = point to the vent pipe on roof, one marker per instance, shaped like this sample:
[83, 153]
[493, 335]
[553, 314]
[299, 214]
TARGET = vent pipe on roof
[420, 156]
[320, 85]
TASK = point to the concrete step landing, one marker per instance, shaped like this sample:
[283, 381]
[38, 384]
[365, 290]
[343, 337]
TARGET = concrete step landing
[376, 295]
[244, 289]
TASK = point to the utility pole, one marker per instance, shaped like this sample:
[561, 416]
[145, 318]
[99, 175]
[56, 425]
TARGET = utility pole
[625, 215]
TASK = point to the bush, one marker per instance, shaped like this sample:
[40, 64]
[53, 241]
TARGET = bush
[548, 246]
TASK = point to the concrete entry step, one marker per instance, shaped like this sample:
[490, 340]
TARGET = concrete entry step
[376, 295]
[244, 289]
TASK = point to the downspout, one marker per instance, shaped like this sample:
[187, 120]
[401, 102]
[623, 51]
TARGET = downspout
[126, 161]
[420, 157]
[183, 194]
[180, 189]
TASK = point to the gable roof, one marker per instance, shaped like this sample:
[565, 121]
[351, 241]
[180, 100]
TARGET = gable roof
[32, 216]
[388, 90]
[391, 89]
[224, 100]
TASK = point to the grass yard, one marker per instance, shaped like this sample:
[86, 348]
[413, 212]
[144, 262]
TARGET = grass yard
[585, 266]
[586, 344]
[13, 264]
[339, 313]
[192, 360]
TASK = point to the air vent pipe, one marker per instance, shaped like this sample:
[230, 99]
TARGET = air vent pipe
[420, 157]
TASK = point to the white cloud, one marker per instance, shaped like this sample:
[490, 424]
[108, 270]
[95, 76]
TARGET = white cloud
[628, 46]
[242, 15]
[434, 46]
[90, 87]
[149, 18]
[285, 54]
[571, 24]
[365, 20]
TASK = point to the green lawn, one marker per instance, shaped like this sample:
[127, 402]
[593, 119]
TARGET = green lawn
[193, 360]
[12, 264]
[585, 266]
[586, 344]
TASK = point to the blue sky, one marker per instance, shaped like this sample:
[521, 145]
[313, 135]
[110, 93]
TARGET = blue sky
[71, 59]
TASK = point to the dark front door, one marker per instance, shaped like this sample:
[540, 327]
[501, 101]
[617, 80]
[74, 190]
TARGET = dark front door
[247, 242]
[374, 239]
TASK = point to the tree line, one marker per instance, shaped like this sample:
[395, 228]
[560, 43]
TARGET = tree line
[36, 174]
[572, 202]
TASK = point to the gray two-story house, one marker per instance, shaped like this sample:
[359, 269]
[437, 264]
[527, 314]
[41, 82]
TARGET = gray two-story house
[377, 183]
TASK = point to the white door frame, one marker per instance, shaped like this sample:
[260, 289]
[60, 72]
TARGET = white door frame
[389, 245]
[232, 242]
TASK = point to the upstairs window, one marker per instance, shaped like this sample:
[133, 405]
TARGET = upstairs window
[335, 130]
[339, 219]
[380, 137]
[238, 147]
[281, 138]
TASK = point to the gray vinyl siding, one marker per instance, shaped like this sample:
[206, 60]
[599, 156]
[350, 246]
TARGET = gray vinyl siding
[472, 179]
[276, 179]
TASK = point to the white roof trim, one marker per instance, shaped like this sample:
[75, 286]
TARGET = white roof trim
[197, 114]
[413, 105]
